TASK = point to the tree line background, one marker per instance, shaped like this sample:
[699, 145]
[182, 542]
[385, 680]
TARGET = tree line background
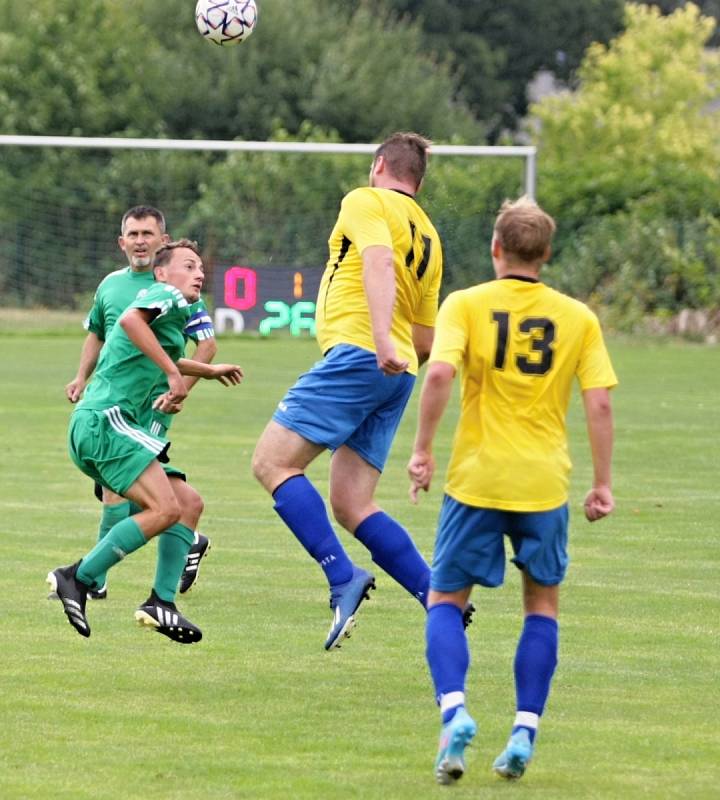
[628, 150]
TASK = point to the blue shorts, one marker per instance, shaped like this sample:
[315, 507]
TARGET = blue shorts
[470, 545]
[345, 399]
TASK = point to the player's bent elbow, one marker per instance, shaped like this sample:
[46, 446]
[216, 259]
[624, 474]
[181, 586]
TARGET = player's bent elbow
[439, 374]
[597, 402]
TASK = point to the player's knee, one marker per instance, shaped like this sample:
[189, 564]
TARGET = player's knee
[166, 514]
[346, 514]
[195, 505]
[256, 465]
[262, 467]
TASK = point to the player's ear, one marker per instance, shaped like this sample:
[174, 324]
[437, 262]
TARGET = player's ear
[121, 243]
[165, 238]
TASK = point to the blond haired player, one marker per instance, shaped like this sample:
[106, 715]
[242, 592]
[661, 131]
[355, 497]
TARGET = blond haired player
[519, 346]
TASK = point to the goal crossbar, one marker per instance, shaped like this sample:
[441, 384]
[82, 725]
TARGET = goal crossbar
[528, 152]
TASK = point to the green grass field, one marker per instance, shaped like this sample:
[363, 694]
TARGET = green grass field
[259, 710]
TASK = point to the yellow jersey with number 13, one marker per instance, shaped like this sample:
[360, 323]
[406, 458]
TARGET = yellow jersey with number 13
[520, 345]
[370, 216]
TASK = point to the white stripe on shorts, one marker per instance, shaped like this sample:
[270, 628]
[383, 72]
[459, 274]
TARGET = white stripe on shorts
[119, 424]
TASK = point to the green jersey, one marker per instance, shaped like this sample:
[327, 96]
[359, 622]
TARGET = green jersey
[114, 294]
[124, 375]
[118, 290]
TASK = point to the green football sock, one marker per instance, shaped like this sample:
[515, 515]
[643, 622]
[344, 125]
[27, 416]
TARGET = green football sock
[122, 539]
[110, 517]
[173, 547]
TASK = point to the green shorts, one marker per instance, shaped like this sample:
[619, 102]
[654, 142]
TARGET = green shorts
[156, 422]
[111, 448]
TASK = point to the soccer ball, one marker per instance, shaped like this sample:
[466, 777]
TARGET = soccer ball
[226, 22]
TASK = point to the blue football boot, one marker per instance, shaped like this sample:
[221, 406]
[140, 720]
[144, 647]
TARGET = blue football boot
[454, 738]
[345, 600]
[513, 760]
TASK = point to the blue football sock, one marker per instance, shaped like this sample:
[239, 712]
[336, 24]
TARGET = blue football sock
[301, 508]
[535, 661]
[393, 550]
[447, 652]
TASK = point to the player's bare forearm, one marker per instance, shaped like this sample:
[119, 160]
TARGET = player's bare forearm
[379, 284]
[205, 352]
[598, 413]
[599, 501]
[227, 374]
[434, 398]
[88, 360]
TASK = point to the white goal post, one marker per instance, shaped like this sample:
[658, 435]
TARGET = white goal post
[527, 152]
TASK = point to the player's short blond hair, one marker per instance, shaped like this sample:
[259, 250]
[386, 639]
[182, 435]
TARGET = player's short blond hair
[524, 230]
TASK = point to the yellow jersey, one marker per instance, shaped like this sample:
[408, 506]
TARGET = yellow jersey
[370, 216]
[520, 345]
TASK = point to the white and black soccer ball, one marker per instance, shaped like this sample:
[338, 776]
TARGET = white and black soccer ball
[226, 22]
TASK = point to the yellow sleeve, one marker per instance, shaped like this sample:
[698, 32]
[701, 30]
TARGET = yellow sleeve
[363, 221]
[595, 370]
[451, 332]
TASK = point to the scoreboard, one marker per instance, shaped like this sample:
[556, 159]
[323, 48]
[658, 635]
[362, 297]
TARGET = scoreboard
[265, 299]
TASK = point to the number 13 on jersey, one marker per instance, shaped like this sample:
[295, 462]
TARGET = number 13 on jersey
[540, 335]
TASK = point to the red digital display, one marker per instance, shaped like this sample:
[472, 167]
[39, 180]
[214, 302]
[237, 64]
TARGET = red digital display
[266, 299]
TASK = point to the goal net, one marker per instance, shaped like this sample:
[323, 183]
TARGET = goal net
[260, 211]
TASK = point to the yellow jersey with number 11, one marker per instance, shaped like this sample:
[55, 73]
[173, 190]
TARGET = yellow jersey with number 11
[370, 216]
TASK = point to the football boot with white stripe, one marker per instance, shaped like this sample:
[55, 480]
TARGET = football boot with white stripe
[345, 600]
[195, 555]
[164, 617]
[65, 587]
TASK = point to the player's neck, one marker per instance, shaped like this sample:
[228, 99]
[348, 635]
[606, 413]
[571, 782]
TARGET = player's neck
[522, 271]
[395, 185]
